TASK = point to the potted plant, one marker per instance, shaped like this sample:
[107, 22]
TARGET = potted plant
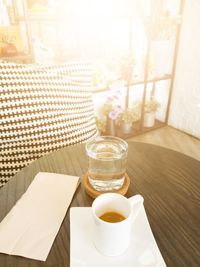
[150, 108]
[127, 63]
[101, 125]
[126, 118]
[110, 111]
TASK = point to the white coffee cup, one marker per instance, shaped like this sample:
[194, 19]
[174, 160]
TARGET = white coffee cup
[112, 239]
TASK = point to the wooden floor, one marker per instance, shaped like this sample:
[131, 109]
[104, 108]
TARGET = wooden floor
[173, 139]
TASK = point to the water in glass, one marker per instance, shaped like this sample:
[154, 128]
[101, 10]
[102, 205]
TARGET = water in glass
[107, 163]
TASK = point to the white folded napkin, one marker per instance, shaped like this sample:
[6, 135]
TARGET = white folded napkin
[30, 228]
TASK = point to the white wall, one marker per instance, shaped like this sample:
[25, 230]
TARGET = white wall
[185, 108]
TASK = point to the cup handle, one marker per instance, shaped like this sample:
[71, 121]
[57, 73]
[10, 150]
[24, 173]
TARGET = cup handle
[136, 204]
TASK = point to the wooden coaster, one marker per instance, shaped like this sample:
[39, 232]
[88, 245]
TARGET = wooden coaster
[94, 193]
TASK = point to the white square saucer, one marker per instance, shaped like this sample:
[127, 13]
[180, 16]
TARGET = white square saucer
[142, 252]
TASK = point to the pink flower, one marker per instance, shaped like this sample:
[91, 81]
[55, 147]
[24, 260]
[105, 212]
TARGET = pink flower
[115, 112]
[118, 109]
[113, 115]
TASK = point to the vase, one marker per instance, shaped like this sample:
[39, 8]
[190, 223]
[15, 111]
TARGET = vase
[110, 127]
[126, 127]
[126, 71]
[149, 119]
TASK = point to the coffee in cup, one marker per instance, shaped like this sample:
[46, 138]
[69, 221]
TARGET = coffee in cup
[113, 216]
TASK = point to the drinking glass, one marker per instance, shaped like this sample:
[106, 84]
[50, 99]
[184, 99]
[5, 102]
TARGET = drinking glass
[107, 162]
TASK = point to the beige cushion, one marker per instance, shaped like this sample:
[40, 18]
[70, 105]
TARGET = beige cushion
[43, 108]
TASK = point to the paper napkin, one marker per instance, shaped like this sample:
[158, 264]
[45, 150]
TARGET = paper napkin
[31, 226]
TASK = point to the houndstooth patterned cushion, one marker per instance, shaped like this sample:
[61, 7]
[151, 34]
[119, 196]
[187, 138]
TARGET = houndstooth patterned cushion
[43, 108]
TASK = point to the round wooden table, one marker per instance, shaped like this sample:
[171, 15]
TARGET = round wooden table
[169, 182]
